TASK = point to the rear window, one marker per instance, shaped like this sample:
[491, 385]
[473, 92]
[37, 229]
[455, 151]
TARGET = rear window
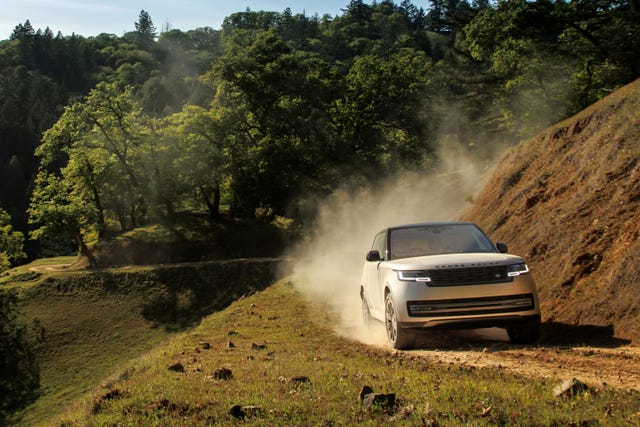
[437, 239]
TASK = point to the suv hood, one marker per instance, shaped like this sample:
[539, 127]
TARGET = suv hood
[463, 260]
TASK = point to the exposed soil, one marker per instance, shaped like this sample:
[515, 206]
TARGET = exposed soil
[568, 200]
[596, 361]
[49, 267]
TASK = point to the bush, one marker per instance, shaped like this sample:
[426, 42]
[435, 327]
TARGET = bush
[19, 371]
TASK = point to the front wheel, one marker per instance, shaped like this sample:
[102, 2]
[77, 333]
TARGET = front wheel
[398, 338]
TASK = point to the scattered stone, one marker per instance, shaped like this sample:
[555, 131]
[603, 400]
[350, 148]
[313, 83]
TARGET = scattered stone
[379, 400]
[300, 379]
[244, 411]
[368, 399]
[232, 333]
[231, 345]
[365, 390]
[176, 367]
[570, 388]
[111, 395]
[205, 345]
[255, 346]
[223, 374]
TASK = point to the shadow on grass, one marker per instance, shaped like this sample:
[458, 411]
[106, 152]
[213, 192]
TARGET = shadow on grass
[183, 296]
[19, 369]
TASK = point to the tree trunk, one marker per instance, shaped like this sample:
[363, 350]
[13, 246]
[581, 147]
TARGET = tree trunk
[84, 250]
[102, 228]
[212, 205]
[216, 201]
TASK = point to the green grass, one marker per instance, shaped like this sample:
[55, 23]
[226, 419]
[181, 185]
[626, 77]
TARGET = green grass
[278, 320]
[87, 333]
[97, 321]
[24, 275]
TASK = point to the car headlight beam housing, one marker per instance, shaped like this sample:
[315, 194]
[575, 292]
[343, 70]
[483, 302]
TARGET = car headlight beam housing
[517, 269]
[413, 276]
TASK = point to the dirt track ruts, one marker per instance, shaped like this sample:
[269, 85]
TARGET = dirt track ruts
[595, 361]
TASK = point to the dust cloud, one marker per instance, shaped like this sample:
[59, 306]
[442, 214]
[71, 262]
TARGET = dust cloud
[327, 266]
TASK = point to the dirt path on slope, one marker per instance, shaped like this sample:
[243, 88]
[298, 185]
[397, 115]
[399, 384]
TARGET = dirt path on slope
[589, 355]
[50, 267]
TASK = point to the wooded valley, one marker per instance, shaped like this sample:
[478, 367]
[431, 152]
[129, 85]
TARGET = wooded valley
[99, 135]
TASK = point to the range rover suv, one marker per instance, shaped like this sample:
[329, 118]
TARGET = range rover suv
[447, 275]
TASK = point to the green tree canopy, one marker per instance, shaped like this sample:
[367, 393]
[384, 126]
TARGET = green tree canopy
[11, 243]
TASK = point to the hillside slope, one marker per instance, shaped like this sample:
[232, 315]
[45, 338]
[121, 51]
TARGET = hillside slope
[569, 201]
[95, 320]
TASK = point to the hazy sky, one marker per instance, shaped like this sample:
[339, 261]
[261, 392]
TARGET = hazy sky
[92, 17]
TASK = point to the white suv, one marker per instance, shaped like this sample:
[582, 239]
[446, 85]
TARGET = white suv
[447, 275]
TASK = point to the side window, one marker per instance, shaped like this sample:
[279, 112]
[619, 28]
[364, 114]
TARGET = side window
[379, 244]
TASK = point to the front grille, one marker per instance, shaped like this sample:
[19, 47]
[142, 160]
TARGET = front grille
[471, 306]
[469, 275]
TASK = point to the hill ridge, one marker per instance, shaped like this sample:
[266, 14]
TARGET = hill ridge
[569, 200]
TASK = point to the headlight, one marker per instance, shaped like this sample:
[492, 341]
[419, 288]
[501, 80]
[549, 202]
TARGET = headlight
[517, 269]
[414, 276]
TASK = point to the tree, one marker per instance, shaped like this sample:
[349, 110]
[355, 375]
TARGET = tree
[145, 29]
[282, 101]
[92, 167]
[380, 117]
[551, 59]
[59, 214]
[11, 243]
[201, 160]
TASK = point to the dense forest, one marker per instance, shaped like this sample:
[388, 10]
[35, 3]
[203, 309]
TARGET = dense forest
[99, 135]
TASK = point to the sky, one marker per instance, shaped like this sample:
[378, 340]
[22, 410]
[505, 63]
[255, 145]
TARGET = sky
[92, 17]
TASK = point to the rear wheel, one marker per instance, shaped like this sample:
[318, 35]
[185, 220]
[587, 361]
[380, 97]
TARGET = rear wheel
[525, 334]
[398, 338]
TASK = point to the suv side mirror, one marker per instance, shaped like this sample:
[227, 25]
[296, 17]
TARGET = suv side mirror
[502, 248]
[373, 256]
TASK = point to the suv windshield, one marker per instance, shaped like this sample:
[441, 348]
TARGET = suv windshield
[435, 239]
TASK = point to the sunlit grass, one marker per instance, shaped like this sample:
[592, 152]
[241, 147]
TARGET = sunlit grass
[97, 321]
[25, 274]
[269, 377]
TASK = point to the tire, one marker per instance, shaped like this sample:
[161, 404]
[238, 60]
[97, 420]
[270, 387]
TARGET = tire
[525, 334]
[398, 338]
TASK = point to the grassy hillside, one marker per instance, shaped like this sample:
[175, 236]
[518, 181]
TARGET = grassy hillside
[95, 321]
[266, 357]
[569, 200]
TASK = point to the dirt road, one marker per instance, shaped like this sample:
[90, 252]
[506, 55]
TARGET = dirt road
[588, 354]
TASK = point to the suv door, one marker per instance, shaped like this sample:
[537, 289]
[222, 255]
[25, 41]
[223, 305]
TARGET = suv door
[373, 278]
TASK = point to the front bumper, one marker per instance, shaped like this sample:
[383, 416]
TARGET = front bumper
[507, 321]
[472, 306]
